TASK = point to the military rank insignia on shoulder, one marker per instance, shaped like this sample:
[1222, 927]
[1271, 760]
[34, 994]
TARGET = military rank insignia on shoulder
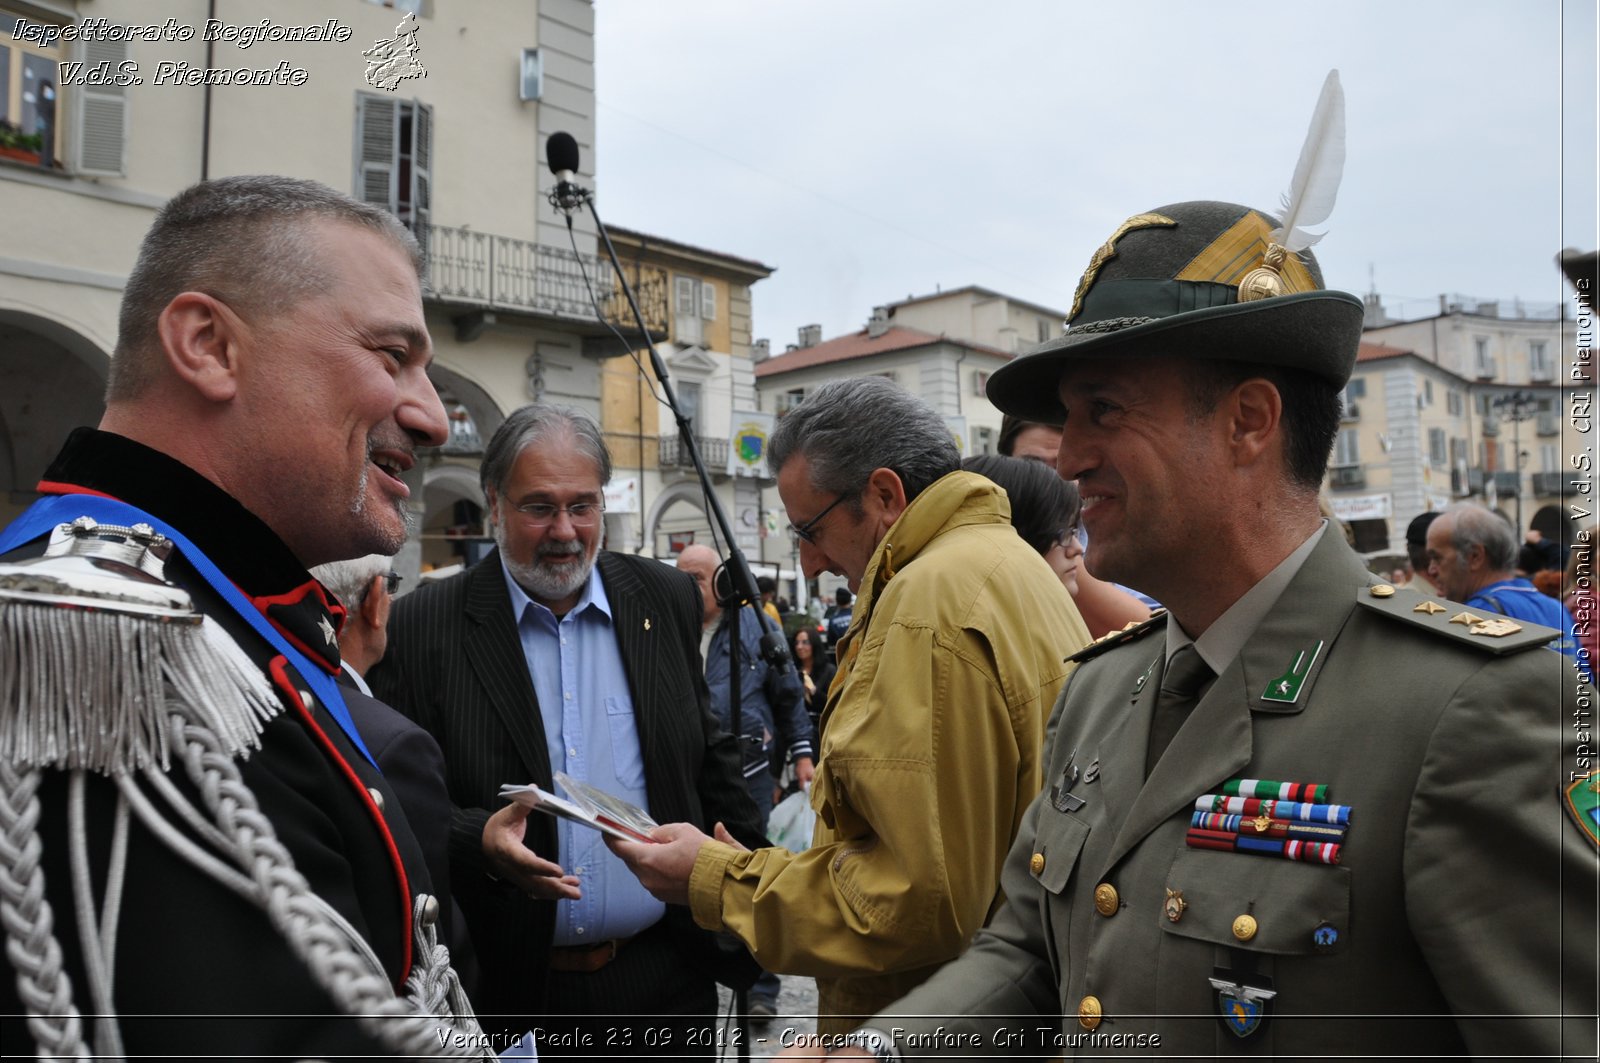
[1130, 633]
[1479, 628]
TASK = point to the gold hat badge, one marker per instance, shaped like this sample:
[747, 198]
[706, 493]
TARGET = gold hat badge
[1311, 194]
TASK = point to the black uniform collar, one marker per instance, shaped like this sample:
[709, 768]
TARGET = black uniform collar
[235, 539]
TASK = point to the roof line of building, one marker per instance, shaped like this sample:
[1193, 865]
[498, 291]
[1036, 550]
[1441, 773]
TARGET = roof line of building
[635, 238]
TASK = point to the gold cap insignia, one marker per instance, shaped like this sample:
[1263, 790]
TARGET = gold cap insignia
[1266, 280]
[1108, 251]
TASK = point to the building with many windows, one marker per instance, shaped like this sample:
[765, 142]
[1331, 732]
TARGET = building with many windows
[941, 347]
[1464, 405]
[437, 111]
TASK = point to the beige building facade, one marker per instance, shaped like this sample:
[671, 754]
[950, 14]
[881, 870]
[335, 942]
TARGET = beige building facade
[437, 111]
[1465, 405]
[941, 347]
[704, 341]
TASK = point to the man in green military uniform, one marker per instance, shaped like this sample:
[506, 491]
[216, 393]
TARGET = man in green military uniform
[1409, 883]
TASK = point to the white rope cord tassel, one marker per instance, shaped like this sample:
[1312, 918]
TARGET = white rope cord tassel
[43, 987]
[338, 957]
[85, 688]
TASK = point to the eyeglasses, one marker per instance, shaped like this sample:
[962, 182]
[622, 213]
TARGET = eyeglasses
[804, 531]
[391, 582]
[544, 514]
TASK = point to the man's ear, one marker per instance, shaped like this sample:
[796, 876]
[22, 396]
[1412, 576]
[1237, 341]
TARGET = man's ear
[200, 341]
[1256, 418]
[884, 496]
[375, 606]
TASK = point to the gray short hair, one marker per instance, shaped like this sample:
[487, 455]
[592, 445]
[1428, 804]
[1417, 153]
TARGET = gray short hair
[1477, 526]
[532, 425]
[351, 580]
[847, 428]
[242, 240]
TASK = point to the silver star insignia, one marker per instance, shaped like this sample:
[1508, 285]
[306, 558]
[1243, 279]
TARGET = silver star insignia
[327, 631]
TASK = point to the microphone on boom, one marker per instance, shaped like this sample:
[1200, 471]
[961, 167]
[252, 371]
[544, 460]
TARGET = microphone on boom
[561, 151]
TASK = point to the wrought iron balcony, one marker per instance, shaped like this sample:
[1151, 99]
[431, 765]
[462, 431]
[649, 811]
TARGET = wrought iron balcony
[503, 273]
[1506, 484]
[714, 452]
[1547, 484]
[1347, 476]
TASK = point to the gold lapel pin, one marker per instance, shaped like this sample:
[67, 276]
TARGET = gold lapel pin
[647, 623]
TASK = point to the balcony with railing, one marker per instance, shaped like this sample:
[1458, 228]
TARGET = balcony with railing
[713, 451]
[1347, 476]
[1506, 484]
[1547, 484]
[503, 273]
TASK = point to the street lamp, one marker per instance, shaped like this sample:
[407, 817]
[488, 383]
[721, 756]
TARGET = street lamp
[1518, 406]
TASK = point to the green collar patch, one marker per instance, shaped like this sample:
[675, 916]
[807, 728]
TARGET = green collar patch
[1286, 688]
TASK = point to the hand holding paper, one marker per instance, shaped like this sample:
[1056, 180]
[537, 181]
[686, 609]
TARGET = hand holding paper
[508, 858]
[663, 865]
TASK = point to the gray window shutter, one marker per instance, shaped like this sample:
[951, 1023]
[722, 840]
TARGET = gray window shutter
[100, 116]
[377, 128]
[422, 171]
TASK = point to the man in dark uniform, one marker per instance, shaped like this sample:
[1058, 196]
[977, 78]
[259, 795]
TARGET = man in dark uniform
[268, 390]
[1303, 813]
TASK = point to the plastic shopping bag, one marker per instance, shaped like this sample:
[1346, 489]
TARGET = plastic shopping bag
[791, 822]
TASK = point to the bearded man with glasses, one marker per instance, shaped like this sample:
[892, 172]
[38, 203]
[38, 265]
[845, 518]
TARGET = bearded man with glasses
[554, 655]
[933, 728]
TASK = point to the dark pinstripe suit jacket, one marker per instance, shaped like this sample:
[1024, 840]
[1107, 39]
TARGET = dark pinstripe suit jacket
[455, 665]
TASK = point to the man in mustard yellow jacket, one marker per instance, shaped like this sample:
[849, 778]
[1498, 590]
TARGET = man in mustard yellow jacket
[933, 728]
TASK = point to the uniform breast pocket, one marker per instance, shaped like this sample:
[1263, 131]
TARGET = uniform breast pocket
[1282, 907]
[1056, 846]
[627, 758]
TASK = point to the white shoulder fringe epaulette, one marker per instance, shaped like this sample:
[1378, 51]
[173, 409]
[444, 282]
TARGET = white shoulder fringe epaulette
[106, 668]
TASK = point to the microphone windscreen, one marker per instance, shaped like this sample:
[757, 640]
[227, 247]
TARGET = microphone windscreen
[561, 151]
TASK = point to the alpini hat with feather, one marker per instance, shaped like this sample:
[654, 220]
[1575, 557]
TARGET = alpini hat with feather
[1208, 280]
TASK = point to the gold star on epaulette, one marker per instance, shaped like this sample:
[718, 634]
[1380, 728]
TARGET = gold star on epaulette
[1466, 618]
[1428, 607]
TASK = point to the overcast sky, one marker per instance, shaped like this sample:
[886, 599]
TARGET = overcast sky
[874, 149]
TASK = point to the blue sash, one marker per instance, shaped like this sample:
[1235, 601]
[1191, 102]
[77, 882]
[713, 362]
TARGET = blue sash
[42, 517]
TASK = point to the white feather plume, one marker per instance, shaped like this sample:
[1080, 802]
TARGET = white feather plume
[1316, 176]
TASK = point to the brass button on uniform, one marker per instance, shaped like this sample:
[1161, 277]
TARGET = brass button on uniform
[377, 797]
[1036, 865]
[1382, 590]
[1106, 900]
[1089, 1012]
[1244, 927]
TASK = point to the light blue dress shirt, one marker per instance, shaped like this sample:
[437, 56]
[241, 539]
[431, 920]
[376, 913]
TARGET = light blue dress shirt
[582, 686]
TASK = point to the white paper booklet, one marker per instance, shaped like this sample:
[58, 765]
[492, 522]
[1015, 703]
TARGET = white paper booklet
[587, 805]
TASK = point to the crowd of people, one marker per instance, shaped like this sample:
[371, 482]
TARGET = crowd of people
[1113, 742]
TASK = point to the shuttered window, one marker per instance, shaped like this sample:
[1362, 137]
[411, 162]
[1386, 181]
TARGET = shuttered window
[101, 115]
[394, 159]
